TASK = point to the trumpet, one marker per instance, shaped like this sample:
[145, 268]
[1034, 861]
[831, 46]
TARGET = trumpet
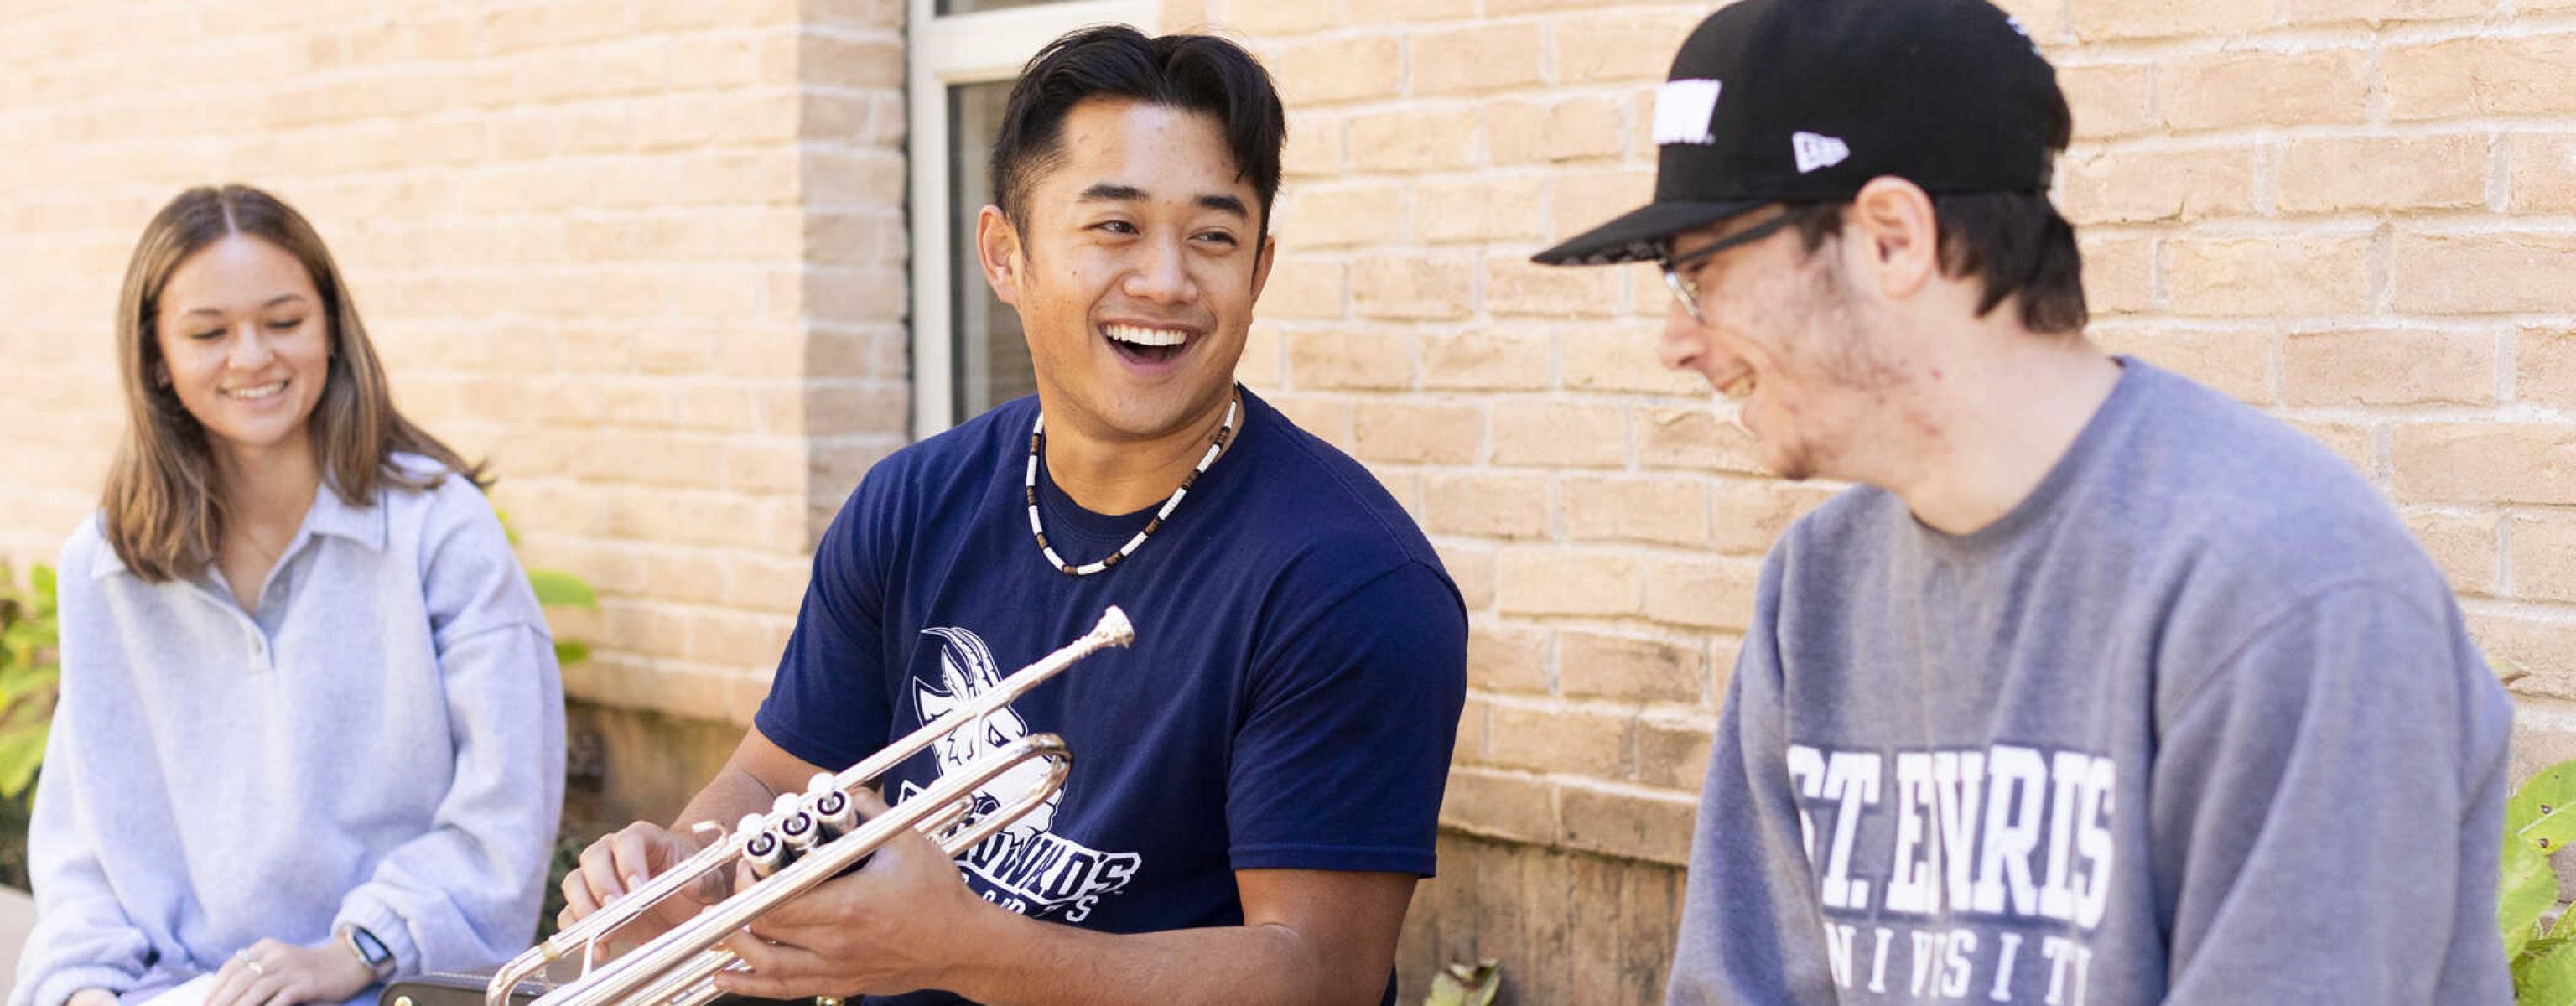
[802, 842]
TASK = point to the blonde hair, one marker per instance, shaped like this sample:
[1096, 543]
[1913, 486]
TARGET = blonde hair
[164, 513]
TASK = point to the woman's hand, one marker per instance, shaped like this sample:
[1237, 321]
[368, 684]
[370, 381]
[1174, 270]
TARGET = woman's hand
[277, 973]
[91, 997]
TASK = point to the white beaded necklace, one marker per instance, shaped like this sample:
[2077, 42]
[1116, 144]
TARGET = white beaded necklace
[1037, 441]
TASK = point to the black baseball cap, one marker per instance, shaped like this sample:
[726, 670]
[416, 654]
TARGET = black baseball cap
[1807, 100]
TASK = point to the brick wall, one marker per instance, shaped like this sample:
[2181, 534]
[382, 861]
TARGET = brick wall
[649, 256]
[646, 255]
[2355, 214]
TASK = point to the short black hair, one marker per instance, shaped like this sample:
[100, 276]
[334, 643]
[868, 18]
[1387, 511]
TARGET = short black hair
[2016, 242]
[1198, 73]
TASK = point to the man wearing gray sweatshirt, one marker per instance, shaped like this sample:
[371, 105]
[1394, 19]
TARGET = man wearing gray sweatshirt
[2099, 688]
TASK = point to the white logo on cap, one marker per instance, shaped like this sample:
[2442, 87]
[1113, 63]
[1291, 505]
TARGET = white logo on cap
[1683, 109]
[1815, 151]
[2024, 32]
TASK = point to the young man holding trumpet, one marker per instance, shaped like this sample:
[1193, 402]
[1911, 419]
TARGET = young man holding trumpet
[1257, 780]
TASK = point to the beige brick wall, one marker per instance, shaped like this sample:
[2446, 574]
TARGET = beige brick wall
[646, 255]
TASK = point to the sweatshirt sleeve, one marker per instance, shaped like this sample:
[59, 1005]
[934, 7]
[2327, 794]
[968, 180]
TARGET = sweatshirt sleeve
[466, 893]
[1751, 928]
[2328, 752]
[83, 937]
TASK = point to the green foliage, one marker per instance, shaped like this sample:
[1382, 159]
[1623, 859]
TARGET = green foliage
[1466, 985]
[30, 674]
[2538, 822]
[558, 589]
[567, 858]
[30, 671]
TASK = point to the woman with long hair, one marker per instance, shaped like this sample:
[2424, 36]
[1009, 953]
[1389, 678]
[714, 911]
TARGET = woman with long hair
[310, 733]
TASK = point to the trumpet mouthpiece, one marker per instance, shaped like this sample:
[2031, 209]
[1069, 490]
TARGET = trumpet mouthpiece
[1115, 627]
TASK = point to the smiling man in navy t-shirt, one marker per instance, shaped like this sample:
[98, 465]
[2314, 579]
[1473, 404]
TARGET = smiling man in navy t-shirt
[1258, 780]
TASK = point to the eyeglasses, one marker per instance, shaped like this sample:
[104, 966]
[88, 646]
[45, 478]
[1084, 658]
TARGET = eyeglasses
[1687, 290]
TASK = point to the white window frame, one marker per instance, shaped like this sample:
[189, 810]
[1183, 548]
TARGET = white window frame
[965, 49]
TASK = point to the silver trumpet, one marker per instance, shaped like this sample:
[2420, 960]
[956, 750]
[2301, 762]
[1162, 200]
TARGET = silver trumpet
[802, 842]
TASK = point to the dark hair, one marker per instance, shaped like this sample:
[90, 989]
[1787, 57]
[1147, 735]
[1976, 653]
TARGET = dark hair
[1198, 73]
[165, 515]
[2015, 241]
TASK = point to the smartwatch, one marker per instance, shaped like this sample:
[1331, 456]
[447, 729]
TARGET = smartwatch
[370, 950]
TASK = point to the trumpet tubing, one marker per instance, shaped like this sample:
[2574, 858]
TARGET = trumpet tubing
[802, 842]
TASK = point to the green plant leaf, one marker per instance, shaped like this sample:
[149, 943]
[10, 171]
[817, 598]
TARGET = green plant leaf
[2547, 792]
[2543, 812]
[19, 681]
[21, 753]
[558, 589]
[2547, 944]
[2525, 892]
[568, 653]
[2546, 979]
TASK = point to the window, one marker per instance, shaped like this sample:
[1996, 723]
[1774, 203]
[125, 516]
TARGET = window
[967, 352]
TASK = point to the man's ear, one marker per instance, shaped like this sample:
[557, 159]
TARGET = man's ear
[998, 250]
[1892, 225]
[1261, 266]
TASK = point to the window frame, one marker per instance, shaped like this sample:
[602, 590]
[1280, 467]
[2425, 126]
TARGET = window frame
[949, 50]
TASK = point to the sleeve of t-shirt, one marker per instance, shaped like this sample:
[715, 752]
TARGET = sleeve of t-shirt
[2327, 752]
[1751, 929]
[1344, 750]
[827, 704]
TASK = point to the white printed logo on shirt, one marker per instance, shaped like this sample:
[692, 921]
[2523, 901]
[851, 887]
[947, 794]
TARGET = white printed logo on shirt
[1816, 151]
[1959, 873]
[1025, 867]
[1683, 110]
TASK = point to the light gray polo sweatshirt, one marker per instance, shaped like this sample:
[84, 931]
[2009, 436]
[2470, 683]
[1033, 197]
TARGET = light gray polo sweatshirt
[382, 745]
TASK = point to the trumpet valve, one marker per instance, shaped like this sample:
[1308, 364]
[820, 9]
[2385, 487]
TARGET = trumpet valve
[834, 813]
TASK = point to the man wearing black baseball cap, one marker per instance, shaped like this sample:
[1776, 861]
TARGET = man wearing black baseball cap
[2100, 687]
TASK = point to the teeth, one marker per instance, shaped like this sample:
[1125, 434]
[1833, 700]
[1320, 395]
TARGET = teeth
[1738, 389]
[1143, 336]
[262, 391]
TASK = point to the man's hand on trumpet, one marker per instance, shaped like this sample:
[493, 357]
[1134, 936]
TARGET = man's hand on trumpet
[892, 926]
[622, 861]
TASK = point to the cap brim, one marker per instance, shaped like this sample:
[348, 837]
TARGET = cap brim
[1640, 236]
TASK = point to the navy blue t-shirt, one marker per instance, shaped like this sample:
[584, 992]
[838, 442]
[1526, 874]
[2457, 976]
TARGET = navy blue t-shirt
[1290, 701]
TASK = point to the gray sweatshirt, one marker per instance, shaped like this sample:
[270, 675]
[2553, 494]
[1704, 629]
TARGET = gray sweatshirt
[381, 746]
[2196, 722]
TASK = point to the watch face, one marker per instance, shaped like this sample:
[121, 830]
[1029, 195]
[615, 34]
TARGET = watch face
[370, 947]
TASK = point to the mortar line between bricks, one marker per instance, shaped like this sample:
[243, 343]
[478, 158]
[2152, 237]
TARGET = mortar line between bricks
[2231, 137]
[2505, 413]
[1667, 713]
[2309, 38]
[2504, 556]
[2323, 323]
[2552, 612]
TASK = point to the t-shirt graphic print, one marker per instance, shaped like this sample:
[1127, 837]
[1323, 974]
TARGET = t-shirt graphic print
[1025, 867]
